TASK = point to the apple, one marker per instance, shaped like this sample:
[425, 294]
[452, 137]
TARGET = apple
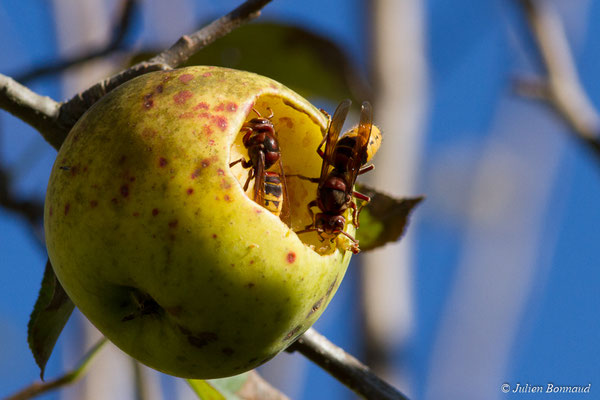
[152, 236]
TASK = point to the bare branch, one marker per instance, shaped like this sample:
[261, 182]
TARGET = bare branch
[345, 368]
[564, 89]
[38, 388]
[40, 112]
[256, 388]
[115, 43]
[177, 54]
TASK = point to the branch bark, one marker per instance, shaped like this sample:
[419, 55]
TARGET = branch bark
[563, 88]
[38, 388]
[345, 368]
[174, 56]
[40, 112]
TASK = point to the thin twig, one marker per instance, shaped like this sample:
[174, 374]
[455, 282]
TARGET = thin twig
[177, 54]
[115, 43]
[345, 368]
[38, 111]
[38, 388]
[563, 87]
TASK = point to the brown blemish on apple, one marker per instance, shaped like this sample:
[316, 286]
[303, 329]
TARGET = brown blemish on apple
[287, 121]
[214, 235]
[227, 198]
[114, 201]
[292, 333]
[124, 190]
[148, 102]
[51, 211]
[228, 351]
[202, 339]
[330, 288]
[94, 203]
[185, 78]
[135, 214]
[291, 257]
[154, 212]
[181, 97]
[162, 162]
[159, 88]
[122, 159]
[201, 106]
[67, 207]
[173, 223]
[250, 285]
[315, 307]
[190, 191]
[207, 129]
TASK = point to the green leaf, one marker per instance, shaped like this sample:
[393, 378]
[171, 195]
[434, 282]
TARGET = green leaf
[218, 389]
[50, 314]
[384, 219]
[306, 62]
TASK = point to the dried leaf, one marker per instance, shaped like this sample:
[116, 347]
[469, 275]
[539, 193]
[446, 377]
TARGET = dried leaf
[50, 314]
[384, 219]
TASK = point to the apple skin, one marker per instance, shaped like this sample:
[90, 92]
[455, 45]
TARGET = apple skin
[153, 238]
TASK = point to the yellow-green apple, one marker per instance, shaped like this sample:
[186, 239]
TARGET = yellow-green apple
[151, 234]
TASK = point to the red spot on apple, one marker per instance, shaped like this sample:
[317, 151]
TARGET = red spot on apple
[214, 235]
[185, 78]
[211, 142]
[220, 121]
[205, 163]
[231, 107]
[190, 191]
[124, 190]
[207, 74]
[162, 162]
[207, 130]
[204, 115]
[225, 184]
[220, 172]
[51, 211]
[227, 198]
[154, 212]
[201, 106]
[67, 207]
[173, 224]
[291, 257]
[94, 203]
[187, 115]
[181, 97]
[159, 88]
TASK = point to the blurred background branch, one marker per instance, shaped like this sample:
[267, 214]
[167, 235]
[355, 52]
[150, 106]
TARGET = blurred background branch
[561, 87]
[119, 30]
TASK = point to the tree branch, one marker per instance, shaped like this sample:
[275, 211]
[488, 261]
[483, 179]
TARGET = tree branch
[115, 43]
[177, 54]
[38, 388]
[563, 89]
[40, 112]
[345, 368]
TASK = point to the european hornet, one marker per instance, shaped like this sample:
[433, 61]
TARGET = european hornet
[344, 159]
[263, 149]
